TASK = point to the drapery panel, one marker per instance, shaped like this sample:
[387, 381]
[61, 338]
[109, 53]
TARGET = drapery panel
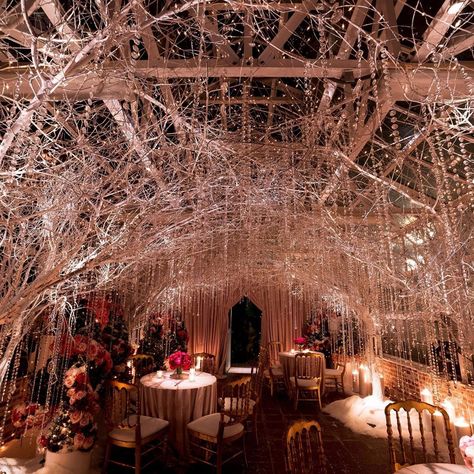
[206, 314]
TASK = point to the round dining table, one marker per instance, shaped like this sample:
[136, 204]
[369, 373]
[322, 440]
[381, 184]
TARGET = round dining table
[178, 401]
[287, 361]
[435, 468]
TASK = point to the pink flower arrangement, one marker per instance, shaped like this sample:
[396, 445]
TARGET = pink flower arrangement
[28, 415]
[92, 350]
[299, 341]
[180, 360]
[466, 446]
[81, 395]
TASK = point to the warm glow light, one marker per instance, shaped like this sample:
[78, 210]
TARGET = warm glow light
[159, 374]
[449, 407]
[455, 8]
[461, 422]
[192, 374]
[198, 362]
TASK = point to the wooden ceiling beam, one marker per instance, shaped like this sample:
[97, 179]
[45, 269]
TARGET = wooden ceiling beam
[459, 43]
[406, 83]
[437, 30]
[285, 32]
[363, 137]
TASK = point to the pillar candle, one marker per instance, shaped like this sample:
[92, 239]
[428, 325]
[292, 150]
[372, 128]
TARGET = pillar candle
[461, 428]
[192, 374]
[426, 396]
[449, 407]
[355, 381]
[198, 362]
[365, 382]
[159, 374]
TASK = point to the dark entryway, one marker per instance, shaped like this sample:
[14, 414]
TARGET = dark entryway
[245, 323]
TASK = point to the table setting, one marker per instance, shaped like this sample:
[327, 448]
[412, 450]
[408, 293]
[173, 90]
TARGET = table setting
[179, 399]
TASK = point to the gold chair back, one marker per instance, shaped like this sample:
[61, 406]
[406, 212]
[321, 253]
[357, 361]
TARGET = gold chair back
[142, 364]
[309, 365]
[304, 448]
[205, 362]
[121, 401]
[237, 395]
[407, 452]
[273, 349]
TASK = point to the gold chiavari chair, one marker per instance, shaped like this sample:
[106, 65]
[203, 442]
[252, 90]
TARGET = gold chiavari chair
[304, 449]
[142, 364]
[306, 384]
[205, 362]
[275, 371]
[335, 377]
[129, 429]
[408, 452]
[211, 437]
[256, 387]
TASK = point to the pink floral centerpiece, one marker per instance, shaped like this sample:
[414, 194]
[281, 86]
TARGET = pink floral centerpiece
[466, 446]
[179, 361]
[300, 342]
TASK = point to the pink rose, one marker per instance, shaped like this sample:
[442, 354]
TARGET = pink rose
[79, 439]
[88, 442]
[81, 348]
[93, 350]
[69, 381]
[76, 416]
[86, 419]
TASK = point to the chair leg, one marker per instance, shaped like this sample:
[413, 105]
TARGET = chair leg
[254, 421]
[219, 460]
[244, 450]
[296, 400]
[108, 448]
[319, 400]
[271, 387]
[138, 459]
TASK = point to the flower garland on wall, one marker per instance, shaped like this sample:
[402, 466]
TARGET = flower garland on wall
[164, 334]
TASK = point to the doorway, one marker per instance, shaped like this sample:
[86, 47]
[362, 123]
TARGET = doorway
[245, 322]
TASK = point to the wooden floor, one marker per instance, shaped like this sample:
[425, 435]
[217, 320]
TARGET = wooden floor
[346, 451]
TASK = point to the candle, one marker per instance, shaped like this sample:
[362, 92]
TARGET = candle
[159, 374]
[449, 407]
[365, 384]
[461, 428]
[292, 351]
[355, 381]
[192, 374]
[426, 396]
[198, 362]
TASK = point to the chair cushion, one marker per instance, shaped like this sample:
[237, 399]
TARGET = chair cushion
[209, 425]
[277, 371]
[148, 426]
[333, 372]
[227, 405]
[310, 383]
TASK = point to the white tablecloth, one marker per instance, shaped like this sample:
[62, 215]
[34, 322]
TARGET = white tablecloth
[436, 468]
[179, 402]
[287, 361]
